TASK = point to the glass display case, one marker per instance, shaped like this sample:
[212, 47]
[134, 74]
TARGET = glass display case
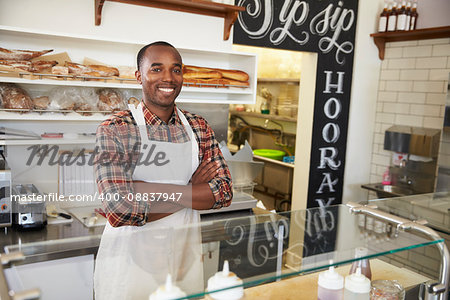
[271, 253]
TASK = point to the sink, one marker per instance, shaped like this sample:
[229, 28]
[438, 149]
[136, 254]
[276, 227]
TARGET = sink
[393, 189]
[387, 191]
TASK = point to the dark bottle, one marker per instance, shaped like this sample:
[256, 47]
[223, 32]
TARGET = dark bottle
[382, 23]
[414, 16]
[408, 16]
[401, 17]
[392, 21]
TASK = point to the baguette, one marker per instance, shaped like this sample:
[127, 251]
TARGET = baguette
[221, 82]
[202, 74]
[20, 54]
[91, 70]
[29, 66]
[234, 74]
[230, 74]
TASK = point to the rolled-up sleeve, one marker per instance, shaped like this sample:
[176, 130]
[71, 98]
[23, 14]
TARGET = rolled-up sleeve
[221, 186]
[113, 168]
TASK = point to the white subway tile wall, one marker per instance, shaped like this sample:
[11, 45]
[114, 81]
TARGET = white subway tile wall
[414, 76]
[412, 91]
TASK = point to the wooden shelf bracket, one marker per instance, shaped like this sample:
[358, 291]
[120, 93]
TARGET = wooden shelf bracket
[380, 39]
[98, 11]
[204, 7]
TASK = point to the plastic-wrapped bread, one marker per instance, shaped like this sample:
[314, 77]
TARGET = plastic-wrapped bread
[14, 97]
[110, 100]
[73, 98]
[41, 102]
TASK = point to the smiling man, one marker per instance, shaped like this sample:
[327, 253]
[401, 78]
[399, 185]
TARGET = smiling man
[186, 173]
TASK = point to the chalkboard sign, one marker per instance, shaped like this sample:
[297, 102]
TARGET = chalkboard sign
[328, 28]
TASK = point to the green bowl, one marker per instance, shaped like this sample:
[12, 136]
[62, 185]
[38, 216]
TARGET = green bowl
[270, 153]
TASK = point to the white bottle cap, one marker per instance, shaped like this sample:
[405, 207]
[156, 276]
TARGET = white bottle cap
[167, 291]
[331, 280]
[357, 283]
[223, 280]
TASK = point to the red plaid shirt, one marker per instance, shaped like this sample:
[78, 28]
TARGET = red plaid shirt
[117, 152]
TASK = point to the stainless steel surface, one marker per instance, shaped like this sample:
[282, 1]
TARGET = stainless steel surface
[386, 191]
[396, 190]
[441, 290]
[215, 114]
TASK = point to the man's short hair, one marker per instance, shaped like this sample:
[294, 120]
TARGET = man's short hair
[140, 56]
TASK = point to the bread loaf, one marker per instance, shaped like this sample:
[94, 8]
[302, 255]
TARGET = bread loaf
[29, 66]
[134, 100]
[15, 98]
[110, 100]
[91, 70]
[41, 102]
[59, 70]
[202, 74]
[198, 75]
[10, 54]
[234, 74]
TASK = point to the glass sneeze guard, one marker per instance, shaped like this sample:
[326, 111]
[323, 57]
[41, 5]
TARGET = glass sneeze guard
[260, 248]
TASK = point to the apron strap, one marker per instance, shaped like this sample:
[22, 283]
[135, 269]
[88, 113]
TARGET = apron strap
[138, 115]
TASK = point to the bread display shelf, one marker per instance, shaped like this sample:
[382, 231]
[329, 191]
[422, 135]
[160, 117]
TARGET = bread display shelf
[116, 52]
[110, 82]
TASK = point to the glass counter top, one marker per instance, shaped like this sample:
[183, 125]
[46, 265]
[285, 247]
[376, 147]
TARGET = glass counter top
[434, 208]
[259, 249]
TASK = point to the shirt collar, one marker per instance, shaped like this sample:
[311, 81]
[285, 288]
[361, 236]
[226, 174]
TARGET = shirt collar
[152, 119]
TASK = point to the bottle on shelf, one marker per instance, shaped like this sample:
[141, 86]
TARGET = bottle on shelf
[387, 177]
[414, 16]
[363, 264]
[401, 17]
[392, 19]
[357, 286]
[382, 23]
[408, 16]
[266, 99]
[330, 285]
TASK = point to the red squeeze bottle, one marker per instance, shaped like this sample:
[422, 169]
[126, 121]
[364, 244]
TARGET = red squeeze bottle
[362, 263]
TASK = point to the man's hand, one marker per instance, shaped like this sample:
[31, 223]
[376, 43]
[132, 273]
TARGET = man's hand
[206, 171]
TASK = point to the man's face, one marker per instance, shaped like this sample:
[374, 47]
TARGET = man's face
[161, 76]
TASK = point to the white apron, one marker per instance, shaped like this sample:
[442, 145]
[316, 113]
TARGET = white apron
[132, 261]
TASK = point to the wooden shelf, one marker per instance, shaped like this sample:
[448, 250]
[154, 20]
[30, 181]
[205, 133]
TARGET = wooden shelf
[262, 116]
[203, 7]
[382, 38]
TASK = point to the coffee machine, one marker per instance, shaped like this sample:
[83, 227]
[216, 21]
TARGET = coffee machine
[5, 194]
[28, 206]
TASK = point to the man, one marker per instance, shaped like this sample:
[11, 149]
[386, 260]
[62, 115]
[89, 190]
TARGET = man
[156, 166]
